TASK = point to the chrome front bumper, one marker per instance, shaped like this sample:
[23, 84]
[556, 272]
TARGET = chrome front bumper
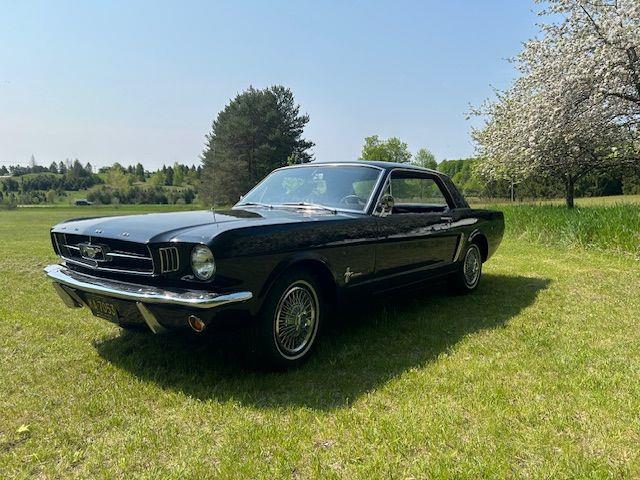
[141, 294]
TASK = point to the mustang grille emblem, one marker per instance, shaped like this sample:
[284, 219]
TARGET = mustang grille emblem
[93, 252]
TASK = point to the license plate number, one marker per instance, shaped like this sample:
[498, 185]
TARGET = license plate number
[103, 308]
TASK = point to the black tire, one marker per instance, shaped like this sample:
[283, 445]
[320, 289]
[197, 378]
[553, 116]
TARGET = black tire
[467, 278]
[289, 323]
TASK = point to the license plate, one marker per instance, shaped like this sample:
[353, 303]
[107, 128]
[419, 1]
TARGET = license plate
[103, 308]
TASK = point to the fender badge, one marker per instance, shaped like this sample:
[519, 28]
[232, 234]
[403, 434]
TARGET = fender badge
[348, 275]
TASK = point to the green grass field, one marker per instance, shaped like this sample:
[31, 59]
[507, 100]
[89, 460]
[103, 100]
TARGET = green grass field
[580, 202]
[608, 227]
[536, 375]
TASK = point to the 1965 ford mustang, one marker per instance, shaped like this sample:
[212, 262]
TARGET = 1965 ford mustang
[304, 238]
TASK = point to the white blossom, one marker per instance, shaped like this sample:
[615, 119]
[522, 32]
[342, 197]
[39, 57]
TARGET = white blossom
[576, 105]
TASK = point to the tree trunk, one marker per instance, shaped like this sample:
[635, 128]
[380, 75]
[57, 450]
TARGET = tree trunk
[569, 190]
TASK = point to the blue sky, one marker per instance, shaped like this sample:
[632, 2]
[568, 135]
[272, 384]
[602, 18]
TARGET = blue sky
[142, 81]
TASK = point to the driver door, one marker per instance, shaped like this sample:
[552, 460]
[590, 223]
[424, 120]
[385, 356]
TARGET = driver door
[416, 240]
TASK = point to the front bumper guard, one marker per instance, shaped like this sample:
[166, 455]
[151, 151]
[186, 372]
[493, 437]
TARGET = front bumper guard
[141, 294]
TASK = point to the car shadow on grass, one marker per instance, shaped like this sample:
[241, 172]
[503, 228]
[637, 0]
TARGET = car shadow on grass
[364, 346]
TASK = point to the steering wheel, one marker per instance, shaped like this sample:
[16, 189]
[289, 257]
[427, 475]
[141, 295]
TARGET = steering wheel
[351, 200]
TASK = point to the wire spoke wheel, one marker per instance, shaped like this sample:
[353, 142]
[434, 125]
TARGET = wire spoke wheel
[296, 319]
[472, 265]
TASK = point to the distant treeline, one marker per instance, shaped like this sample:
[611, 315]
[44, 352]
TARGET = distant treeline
[74, 168]
[36, 184]
[180, 184]
[621, 181]
[106, 195]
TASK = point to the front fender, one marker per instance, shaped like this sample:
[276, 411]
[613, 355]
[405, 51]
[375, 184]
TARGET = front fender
[289, 262]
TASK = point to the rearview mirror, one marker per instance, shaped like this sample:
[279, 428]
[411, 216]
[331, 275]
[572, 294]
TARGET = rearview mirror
[385, 207]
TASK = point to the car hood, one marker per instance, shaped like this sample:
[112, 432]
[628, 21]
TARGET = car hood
[196, 226]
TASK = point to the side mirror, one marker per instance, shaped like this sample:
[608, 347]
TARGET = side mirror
[385, 207]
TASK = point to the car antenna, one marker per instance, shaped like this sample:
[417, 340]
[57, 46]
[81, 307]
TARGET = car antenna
[213, 197]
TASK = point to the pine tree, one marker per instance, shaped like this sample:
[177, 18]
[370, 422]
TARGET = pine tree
[259, 130]
[139, 172]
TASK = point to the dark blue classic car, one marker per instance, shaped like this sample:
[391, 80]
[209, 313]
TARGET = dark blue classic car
[306, 237]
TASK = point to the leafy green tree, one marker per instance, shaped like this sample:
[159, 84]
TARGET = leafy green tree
[464, 174]
[390, 150]
[192, 176]
[425, 158]
[157, 179]
[178, 174]
[118, 178]
[259, 130]
[10, 185]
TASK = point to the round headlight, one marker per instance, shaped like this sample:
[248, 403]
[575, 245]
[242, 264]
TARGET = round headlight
[202, 262]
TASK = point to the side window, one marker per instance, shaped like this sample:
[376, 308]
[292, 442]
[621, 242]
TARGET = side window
[417, 193]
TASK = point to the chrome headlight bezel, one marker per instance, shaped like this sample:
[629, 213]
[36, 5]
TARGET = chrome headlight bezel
[203, 263]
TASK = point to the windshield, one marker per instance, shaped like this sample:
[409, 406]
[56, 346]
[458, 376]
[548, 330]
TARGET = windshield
[339, 187]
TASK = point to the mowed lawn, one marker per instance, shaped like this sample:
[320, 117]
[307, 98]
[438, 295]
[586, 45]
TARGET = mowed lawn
[536, 375]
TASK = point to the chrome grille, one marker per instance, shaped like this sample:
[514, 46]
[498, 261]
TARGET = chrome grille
[169, 259]
[117, 255]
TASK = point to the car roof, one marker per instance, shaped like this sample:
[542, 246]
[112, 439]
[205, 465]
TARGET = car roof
[380, 164]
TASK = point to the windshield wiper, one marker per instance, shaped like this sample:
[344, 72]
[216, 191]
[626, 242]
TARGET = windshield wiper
[307, 205]
[255, 204]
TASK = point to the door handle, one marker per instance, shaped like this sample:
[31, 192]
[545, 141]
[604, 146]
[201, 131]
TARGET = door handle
[446, 219]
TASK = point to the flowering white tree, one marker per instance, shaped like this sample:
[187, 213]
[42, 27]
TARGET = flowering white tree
[576, 106]
[597, 45]
[528, 134]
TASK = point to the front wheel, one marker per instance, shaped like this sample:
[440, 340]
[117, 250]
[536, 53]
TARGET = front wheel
[467, 278]
[290, 320]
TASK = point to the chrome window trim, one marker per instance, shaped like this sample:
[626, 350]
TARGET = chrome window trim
[433, 173]
[380, 193]
[364, 211]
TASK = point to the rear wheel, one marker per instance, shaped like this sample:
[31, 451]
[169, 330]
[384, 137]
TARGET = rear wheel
[467, 278]
[290, 320]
